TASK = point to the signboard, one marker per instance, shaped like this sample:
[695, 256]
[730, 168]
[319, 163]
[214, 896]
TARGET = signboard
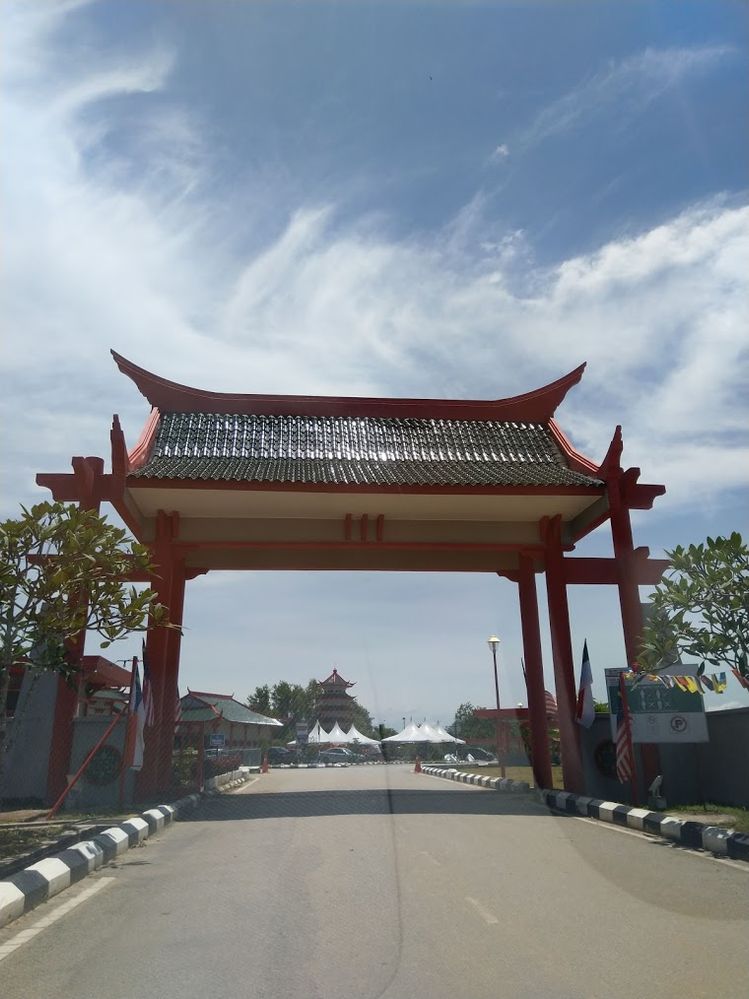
[302, 734]
[659, 713]
[217, 740]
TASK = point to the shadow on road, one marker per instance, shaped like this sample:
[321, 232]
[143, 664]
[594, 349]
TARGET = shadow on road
[299, 804]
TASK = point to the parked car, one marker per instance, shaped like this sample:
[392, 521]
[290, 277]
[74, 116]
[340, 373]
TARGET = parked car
[338, 754]
[279, 754]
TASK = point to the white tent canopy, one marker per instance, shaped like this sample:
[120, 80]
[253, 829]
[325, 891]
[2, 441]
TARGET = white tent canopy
[423, 733]
[409, 734]
[445, 735]
[354, 735]
[337, 735]
[317, 734]
[428, 734]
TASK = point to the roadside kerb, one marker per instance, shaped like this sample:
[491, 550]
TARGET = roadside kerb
[41, 881]
[682, 832]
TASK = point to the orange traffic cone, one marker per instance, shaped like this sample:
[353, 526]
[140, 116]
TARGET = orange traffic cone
[264, 765]
[417, 768]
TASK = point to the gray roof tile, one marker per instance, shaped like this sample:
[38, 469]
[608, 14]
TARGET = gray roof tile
[357, 451]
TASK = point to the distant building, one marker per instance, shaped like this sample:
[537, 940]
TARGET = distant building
[223, 722]
[333, 703]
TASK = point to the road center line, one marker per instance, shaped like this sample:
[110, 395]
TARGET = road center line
[41, 924]
[489, 918]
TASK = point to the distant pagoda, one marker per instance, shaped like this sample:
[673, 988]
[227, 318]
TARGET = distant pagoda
[333, 703]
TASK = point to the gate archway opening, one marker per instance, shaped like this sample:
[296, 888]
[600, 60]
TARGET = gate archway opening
[282, 482]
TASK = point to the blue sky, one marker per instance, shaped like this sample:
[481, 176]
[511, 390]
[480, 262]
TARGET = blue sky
[429, 199]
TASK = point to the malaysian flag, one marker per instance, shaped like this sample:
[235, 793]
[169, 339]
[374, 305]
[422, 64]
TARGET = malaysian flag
[624, 759]
[136, 722]
[147, 689]
[551, 704]
[586, 710]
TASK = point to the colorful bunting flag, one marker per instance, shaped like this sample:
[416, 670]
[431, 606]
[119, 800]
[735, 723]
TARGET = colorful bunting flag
[743, 680]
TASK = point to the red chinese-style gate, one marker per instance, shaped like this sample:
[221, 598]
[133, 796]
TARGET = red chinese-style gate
[227, 481]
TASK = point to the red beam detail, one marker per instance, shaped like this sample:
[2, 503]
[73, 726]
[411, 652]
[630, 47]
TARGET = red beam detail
[189, 546]
[120, 460]
[347, 527]
[537, 406]
[639, 496]
[363, 527]
[612, 460]
[504, 714]
[380, 527]
[62, 485]
[576, 461]
[604, 571]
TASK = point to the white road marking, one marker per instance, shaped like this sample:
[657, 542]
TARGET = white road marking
[25, 935]
[704, 854]
[489, 918]
[428, 855]
[243, 787]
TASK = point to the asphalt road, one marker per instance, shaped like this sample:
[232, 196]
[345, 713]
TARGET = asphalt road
[366, 882]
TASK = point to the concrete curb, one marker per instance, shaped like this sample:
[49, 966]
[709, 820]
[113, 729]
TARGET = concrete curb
[684, 832]
[41, 881]
[494, 783]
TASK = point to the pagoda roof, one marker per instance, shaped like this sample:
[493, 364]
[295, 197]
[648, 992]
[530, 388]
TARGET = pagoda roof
[355, 442]
[335, 679]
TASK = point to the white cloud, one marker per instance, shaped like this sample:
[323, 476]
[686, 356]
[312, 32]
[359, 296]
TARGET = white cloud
[625, 88]
[500, 153]
[105, 256]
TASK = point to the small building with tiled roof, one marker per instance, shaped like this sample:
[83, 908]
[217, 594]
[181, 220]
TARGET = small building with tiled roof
[221, 715]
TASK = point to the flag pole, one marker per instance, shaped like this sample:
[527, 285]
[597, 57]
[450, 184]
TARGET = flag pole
[127, 746]
[628, 730]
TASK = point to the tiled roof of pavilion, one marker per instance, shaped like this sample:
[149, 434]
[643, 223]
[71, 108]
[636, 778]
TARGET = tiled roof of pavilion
[201, 706]
[387, 443]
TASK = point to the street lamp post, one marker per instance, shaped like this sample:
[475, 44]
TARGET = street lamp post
[493, 643]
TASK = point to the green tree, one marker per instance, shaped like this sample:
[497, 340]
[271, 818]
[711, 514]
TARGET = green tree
[363, 721]
[61, 573]
[260, 700]
[466, 726]
[701, 607]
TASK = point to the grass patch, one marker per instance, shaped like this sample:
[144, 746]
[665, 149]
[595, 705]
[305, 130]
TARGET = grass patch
[15, 841]
[513, 773]
[718, 815]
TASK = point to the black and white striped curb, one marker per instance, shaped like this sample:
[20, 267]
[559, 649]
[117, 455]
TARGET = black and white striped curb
[495, 783]
[683, 832]
[39, 882]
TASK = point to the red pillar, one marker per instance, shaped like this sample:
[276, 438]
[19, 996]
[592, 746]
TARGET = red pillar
[175, 604]
[534, 672]
[624, 553]
[629, 598]
[561, 647]
[88, 473]
[152, 777]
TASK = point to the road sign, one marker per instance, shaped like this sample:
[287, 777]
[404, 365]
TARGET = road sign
[659, 713]
[302, 734]
[217, 740]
